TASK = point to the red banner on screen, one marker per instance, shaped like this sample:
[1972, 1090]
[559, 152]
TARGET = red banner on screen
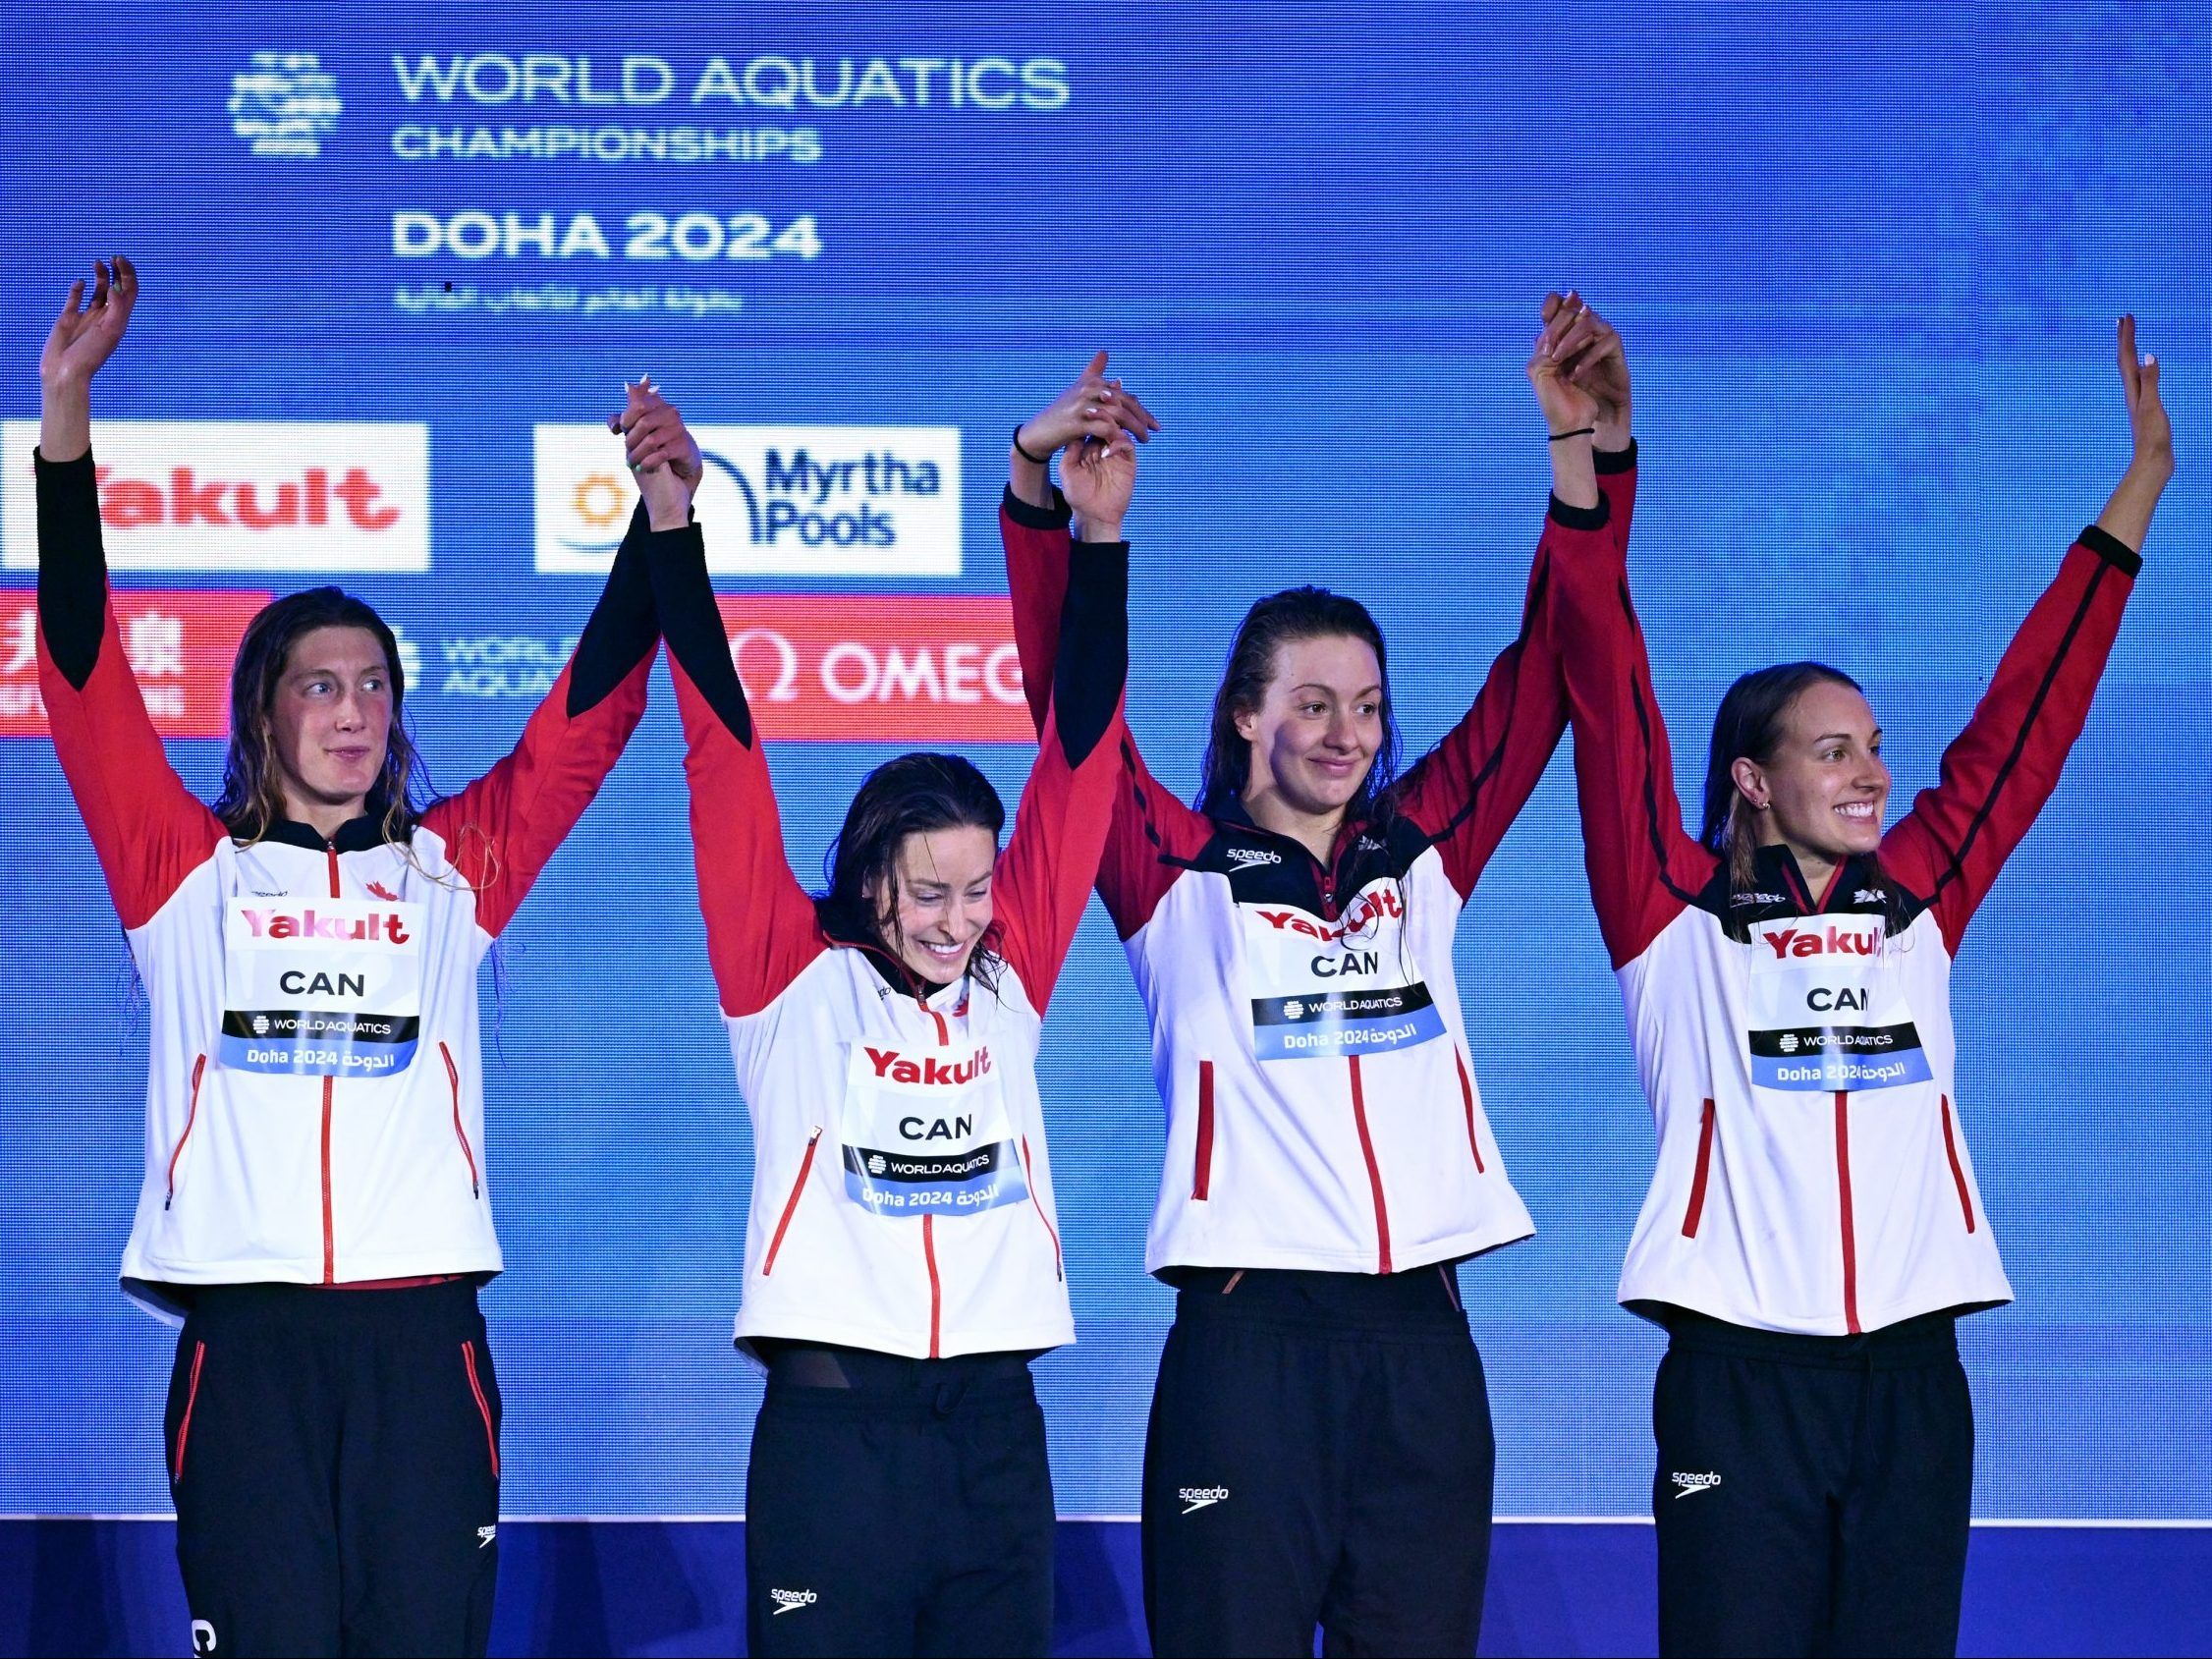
[829, 668]
[179, 644]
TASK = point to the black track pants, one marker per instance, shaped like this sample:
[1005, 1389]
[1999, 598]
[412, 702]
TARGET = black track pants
[1812, 1492]
[334, 1459]
[1320, 1453]
[907, 1512]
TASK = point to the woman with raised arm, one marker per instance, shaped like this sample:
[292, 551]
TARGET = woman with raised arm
[315, 1203]
[902, 1261]
[1814, 1228]
[1320, 1445]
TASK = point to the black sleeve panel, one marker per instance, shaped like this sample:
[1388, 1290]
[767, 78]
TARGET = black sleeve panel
[1036, 518]
[1093, 661]
[692, 624]
[72, 564]
[2103, 543]
[1582, 518]
[622, 629]
[1616, 459]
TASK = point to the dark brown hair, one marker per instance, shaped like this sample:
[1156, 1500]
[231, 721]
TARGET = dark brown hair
[252, 796]
[1296, 613]
[1747, 726]
[913, 794]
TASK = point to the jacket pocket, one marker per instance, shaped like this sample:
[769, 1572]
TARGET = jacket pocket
[1958, 1170]
[791, 1204]
[1705, 1169]
[191, 1116]
[476, 1381]
[453, 1081]
[1202, 1161]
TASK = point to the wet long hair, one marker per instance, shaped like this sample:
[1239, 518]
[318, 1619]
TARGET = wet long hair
[1747, 726]
[913, 794]
[252, 796]
[1280, 619]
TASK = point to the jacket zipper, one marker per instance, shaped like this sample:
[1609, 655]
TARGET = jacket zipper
[1705, 1169]
[1059, 1268]
[1202, 1174]
[183, 1425]
[484, 1406]
[1467, 1095]
[1958, 1173]
[191, 1113]
[791, 1204]
[329, 1229]
[452, 1076]
[1374, 1171]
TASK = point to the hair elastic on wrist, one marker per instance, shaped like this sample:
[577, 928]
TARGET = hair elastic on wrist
[1033, 460]
[1556, 437]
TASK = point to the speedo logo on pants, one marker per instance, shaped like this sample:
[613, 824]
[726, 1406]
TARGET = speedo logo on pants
[1196, 1498]
[790, 1601]
[1687, 1483]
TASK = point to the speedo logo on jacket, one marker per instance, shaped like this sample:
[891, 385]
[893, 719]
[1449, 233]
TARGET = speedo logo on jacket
[387, 928]
[929, 1072]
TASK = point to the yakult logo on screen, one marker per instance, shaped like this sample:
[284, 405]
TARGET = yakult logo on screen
[776, 500]
[875, 668]
[242, 495]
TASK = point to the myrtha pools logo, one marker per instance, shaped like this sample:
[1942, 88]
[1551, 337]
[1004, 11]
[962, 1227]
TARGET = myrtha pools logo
[784, 500]
[285, 104]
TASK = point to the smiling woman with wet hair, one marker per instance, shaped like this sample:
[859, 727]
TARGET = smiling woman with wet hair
[902, 1251]
[1329, 1164]
[314, 1202]
[1814, 1228]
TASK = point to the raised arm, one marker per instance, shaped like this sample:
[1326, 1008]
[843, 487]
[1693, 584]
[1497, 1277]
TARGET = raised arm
[146, 828]
[760, 928]
[1060, 828]
[1094, 426]
[1643, 868]
[1998, 772]
[502, 829]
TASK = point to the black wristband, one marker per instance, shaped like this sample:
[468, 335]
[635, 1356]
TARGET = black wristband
[1556, 437]
[1033, 460]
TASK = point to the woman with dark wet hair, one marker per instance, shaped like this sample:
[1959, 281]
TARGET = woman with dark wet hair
[316, 1205]
[1320, 1445]
[1814, 1228]
[902, 1257]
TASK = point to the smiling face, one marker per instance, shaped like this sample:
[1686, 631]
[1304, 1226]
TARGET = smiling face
[1824, 789]
[941, 903]
[331, 722]
[1318, 728]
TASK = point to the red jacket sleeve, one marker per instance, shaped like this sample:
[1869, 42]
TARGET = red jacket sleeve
[1044, 879]
[1150, 831]
[149, 831]
[1466, 793]
[760, 926]
[1643, 868]
[501, 830]
[1998, 772]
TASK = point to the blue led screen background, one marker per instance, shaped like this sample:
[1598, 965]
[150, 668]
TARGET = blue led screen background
[1866, 262]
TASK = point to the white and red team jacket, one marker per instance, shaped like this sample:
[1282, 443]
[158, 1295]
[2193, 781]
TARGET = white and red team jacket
[1306, 1035]
[901, 1195]
[314, 1094]
[1797, 1048]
